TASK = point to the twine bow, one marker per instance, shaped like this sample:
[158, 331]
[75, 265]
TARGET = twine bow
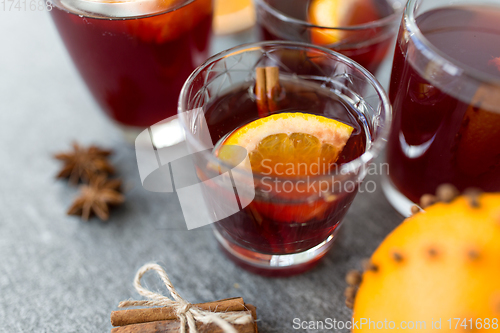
[186, 312]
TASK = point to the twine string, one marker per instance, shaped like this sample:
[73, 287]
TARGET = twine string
[187, 313]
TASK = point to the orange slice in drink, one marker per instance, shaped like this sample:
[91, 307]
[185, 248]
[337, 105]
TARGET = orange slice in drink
[291, 144]
[495, 62]
[231, 16]
[170, 25]
[338, 13]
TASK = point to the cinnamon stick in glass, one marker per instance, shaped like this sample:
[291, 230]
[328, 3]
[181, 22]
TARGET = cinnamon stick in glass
[267, 89]
[273, 88]
[261, 92]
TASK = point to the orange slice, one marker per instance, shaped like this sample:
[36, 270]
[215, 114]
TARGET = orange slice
[231, 16]
[171, 25]
[495, 62]
[291, 144]
[338, 13]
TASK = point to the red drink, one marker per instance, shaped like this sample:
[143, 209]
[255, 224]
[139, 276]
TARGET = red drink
[295, 128]
[366, 45]
[135, 67]
[447, 133]
[285, 222]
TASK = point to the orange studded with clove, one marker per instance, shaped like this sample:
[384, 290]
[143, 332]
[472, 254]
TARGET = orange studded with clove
[441, 263]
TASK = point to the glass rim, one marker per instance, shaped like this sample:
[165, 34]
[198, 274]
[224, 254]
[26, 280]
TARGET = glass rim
[118, 3]
[377, 144]
[369, 25]
[416, 34]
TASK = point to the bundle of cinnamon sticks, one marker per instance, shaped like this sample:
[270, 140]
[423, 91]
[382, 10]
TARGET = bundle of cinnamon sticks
[164, 319]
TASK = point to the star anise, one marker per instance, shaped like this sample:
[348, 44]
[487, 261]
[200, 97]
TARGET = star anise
[84, 163]
[96, 197]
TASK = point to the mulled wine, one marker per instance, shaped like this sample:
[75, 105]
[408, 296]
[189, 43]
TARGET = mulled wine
[285, 132]
[353, 36]
[285, 218]
[447, 132]
[135, 66]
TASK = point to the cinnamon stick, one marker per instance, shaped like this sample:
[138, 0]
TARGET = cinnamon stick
[273, 88]
[253, 310]
[261, 92]
[174, 326]
[267, 89]
[136, 316]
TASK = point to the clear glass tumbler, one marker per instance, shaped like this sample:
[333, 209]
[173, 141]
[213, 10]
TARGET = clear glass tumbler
[134, 56]
[366, 43]
[282, 225]
[445, 90]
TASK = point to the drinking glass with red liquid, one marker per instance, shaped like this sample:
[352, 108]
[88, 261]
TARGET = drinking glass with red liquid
[445, 90]
[134, 56]
[291, 219]
[363, 30]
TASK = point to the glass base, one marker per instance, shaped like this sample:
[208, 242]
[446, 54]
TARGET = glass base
[397, 199]
[274, 265]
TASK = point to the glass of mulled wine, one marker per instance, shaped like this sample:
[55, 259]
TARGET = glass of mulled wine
[135, 55]
[445, 91]
[310, 121]
[363, 30]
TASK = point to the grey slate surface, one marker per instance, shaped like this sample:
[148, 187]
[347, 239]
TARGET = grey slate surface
[58, 274]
